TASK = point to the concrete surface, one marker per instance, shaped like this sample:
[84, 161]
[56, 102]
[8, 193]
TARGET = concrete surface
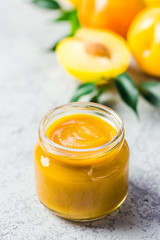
[31, 83]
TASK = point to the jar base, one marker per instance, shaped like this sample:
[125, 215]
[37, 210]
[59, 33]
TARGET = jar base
[85, 219]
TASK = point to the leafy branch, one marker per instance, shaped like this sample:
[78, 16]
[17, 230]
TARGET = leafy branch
[64, 16]
[128, 91]
[48, 4]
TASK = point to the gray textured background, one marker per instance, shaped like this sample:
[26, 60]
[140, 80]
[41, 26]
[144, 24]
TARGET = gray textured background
[31, 83]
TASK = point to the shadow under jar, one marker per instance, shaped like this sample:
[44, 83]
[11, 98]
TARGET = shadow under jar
[82, 184]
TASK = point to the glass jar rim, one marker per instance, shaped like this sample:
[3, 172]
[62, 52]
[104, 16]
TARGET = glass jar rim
[57, 149]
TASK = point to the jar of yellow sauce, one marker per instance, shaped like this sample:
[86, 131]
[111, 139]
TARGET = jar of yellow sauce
[81, 161]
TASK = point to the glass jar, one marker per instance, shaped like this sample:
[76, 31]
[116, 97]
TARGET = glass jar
[82, 184]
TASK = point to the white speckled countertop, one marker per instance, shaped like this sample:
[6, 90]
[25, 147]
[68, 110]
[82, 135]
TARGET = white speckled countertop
[31, 83]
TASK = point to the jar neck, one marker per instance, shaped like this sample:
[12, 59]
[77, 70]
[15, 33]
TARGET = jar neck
[75, 156]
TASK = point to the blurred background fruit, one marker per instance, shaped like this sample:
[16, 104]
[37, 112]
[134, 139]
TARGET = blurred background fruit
[152, 2]
[109, 14]
[144, 40]
[93, 54]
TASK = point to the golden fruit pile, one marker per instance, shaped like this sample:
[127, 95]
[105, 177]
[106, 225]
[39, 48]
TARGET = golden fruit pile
[111, 31]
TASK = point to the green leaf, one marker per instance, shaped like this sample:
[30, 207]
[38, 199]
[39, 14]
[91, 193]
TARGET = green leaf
[48, 4]
[96, 97]
[53, 48]
[127, 90]
[64, 16]
[151, 92]
[83, 89]
[74, 21]
[72, 18]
